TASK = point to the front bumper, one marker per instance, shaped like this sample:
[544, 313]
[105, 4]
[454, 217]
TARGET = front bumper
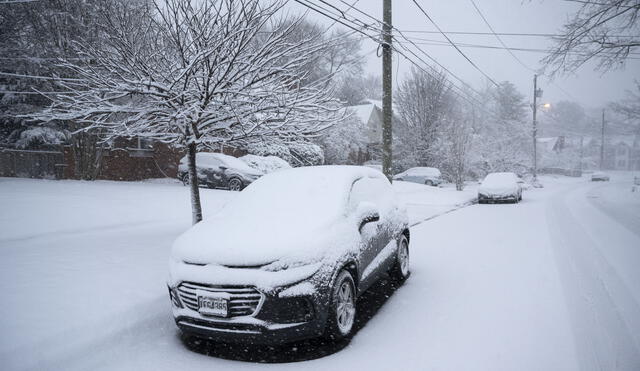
[497, 197]
[278, 319]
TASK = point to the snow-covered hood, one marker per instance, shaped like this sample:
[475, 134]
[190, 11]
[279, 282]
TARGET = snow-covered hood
[251, 242]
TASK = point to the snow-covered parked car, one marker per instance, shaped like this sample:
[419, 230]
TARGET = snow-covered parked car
[423, 175]
[217, 170]
[288, 257]
[265, 164]
[599, 176]
[500, 187]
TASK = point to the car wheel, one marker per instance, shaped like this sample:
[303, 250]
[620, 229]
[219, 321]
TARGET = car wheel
[400, 271]
[429, 183]
[185, 179]
[235, 184]
[342, 312]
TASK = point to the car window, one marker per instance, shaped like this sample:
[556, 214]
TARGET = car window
[375, 190]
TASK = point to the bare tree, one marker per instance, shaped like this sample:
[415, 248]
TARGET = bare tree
[424, 102]
[606, 31]
[195, 74]
[458, 139]
[629, 107]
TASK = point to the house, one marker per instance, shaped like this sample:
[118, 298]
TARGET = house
[369, 112]
[625, 153]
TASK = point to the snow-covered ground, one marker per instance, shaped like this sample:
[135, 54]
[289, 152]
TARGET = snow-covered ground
[551, 283]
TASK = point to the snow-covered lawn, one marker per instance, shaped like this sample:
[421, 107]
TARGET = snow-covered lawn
[551, 283]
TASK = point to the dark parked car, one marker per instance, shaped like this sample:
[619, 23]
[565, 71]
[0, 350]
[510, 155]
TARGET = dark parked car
[288, 257]
[599, 177]
[216, 170]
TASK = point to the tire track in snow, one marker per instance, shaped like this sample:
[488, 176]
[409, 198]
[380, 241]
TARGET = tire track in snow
[604, 313]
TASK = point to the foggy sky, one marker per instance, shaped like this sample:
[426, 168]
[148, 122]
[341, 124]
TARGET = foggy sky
[590, 88]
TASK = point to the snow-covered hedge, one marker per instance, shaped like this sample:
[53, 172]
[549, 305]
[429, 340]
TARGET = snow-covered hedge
[40, 135]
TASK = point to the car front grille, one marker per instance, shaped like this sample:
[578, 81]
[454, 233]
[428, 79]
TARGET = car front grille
[243, 302]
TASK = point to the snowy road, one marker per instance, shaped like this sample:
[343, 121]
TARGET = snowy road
[551, 283]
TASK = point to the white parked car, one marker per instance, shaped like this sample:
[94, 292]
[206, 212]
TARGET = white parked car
[424, 175]
[599, 176]
[287, 258]
[500, 187]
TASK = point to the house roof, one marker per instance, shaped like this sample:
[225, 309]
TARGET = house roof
[365, 110]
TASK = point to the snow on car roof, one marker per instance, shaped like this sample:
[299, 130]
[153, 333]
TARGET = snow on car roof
[211, 158]
[266, 164]
[426, 171]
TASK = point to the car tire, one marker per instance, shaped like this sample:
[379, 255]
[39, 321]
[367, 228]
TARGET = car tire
[185, 179]
[428, 183]
[400, 270]
[342, 307]
[235, 184]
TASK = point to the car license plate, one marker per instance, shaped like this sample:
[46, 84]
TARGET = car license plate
[212, 304]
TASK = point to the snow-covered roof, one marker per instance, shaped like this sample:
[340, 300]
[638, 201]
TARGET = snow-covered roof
[423, 171]
[363, 112]
[212, 158]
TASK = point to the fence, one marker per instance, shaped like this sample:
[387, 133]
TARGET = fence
[31, 164]
[560, 171]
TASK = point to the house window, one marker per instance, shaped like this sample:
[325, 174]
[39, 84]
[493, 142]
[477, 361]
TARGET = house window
[621, 163]
[144, 143]
[622, 151]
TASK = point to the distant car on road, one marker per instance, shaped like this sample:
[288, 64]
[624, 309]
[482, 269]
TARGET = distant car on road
[217, 170]
[599, 177]
[500, 187]
[287, 258]
[423, 175]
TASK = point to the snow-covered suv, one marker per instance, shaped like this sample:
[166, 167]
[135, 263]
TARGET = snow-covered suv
[288, 257]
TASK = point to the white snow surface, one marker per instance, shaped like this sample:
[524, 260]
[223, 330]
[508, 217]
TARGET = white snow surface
[548, 284]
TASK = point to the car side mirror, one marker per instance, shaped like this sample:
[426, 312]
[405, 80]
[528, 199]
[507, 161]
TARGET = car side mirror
[366, 213]
[223, 168]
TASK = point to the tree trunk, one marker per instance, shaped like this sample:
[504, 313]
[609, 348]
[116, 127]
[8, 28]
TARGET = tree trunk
[196, 207]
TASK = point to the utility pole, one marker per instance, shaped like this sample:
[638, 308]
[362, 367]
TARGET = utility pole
[602, 144]
[387, 113]
[535, 129]
[581, 153]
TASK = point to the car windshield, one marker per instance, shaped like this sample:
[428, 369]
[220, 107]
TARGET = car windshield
[498, 179]
[316, 194]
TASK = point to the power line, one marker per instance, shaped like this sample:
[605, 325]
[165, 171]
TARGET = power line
[509, 50]
[325, 12]
[38, 77]
[452, 43]
[523, 34]
[498, 37]
[464, 93]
